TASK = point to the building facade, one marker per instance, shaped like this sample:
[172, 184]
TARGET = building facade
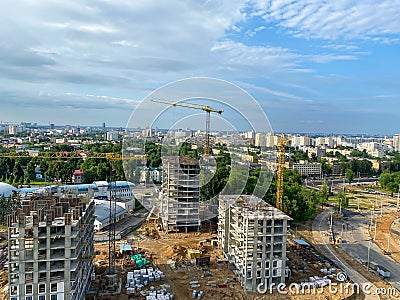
[180, 193]
[78, 176]
[253, 237]
[51, 249]
[396, 142]
[308, 169]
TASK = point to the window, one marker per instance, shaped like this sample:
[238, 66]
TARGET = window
[28, 289]
[13, 298]
[53, 297]
[13, 290]
[42, 288]
[28, 298]
[42, 297]
[54, 287]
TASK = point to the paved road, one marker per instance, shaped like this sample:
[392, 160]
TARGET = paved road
[356, 241]
[321, 238]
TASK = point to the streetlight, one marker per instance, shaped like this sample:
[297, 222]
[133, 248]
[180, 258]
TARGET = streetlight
[388, 246]
[370, 225]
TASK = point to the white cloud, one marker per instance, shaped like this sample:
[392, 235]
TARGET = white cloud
[269, 91]
[331, 20]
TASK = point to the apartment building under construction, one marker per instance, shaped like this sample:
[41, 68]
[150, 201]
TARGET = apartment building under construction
[51, 249]
[180, 196]
[253, 238]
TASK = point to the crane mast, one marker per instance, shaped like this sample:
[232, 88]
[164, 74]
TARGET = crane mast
[281, 165]
[205, 108]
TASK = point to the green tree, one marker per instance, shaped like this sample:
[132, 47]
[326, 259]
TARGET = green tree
[30, 173]
[90, 175]
[342, 199]
[323, 194]
[350, 175]
[17, 172]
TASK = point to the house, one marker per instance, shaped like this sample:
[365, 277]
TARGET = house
[78, 176]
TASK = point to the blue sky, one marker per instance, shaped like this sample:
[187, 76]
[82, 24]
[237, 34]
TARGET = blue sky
[313, 66]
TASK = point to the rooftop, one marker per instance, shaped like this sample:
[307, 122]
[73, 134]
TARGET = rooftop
[183, 160]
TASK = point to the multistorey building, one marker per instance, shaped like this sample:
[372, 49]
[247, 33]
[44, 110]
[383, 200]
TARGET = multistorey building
[308, 169]
[51, 249]
[180, 194]
[253, 236]
[396, 142]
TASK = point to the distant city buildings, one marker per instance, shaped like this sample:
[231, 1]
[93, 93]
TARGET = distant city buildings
[112, 136]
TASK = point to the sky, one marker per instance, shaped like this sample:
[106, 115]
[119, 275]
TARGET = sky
[312, 65]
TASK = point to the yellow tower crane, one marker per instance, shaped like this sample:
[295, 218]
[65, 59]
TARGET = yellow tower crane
[281, 165]
[205, 108]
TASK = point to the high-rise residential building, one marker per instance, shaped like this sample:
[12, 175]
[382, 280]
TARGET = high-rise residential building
[253, 237]
[180, 194]
[51, 249]
[260, 140]
[396, 142]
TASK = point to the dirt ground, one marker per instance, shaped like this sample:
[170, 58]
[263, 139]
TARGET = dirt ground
[168, 252]
[383, 224]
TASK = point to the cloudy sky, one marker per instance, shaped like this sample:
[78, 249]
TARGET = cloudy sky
[313, 65]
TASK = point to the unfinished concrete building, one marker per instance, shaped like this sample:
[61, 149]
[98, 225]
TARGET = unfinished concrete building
[180, 195]
[51, 249]
[253, 238]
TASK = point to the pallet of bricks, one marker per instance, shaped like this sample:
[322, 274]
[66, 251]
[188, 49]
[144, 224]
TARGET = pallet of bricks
[138, 279]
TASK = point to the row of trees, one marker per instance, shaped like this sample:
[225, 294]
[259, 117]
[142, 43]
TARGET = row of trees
[390, 181]
[21, 170]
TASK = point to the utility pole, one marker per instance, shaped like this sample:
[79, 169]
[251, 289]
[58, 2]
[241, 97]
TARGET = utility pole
[370, 225]
[398, 195]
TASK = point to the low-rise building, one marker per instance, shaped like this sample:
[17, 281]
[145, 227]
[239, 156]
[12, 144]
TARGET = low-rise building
[308, 169]
[78, 176]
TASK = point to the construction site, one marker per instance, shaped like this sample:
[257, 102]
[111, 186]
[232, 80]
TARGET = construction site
[245, 252]
[171, 255]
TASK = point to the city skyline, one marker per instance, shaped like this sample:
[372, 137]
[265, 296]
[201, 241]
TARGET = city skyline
[313, 67]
